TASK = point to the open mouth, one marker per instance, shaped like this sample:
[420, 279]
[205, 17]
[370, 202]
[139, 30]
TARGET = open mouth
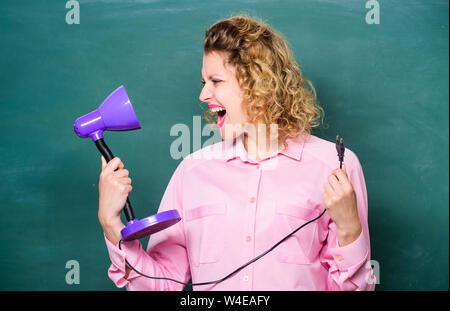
[221, 118]
[221, 112]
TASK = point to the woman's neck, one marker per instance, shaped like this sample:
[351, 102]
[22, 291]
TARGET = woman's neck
[257, 148]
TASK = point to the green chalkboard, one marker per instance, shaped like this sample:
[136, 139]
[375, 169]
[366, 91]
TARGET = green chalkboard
[384, 88]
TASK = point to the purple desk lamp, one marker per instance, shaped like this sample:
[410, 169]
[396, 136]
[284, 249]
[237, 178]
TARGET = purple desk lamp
[117, 114]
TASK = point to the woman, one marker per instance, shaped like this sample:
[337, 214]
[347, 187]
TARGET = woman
[254, 187]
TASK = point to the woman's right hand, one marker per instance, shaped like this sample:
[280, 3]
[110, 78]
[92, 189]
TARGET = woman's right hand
[114, 187]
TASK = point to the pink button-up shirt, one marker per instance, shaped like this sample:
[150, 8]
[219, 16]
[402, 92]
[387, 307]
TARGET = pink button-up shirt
[234, 208]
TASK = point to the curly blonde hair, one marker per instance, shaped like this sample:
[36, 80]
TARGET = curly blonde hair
[275, 90]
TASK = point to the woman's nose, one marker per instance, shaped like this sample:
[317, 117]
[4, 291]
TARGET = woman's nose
[205, 94]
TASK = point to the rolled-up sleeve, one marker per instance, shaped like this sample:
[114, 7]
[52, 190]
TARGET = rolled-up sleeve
[349, 266]
[166, 255]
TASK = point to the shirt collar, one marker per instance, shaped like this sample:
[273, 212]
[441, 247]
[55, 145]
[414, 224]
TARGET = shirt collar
[235, 148]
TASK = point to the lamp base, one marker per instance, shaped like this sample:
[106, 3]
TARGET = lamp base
[139, 228]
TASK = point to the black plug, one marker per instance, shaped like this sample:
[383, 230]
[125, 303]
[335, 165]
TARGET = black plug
[340, 149]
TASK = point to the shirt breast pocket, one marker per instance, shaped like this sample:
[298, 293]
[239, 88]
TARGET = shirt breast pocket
[297, 249]
[205, 232]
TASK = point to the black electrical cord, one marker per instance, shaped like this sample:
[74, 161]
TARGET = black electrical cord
[340, 150]
[237, 270]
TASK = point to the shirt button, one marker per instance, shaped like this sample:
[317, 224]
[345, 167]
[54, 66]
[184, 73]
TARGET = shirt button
[339, 258]
[252, 200]
[246, 278]
[249, 238]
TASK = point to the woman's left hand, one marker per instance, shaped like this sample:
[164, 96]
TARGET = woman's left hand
[340, 201]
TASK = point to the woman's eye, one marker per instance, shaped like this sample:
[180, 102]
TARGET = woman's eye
[214, 81]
